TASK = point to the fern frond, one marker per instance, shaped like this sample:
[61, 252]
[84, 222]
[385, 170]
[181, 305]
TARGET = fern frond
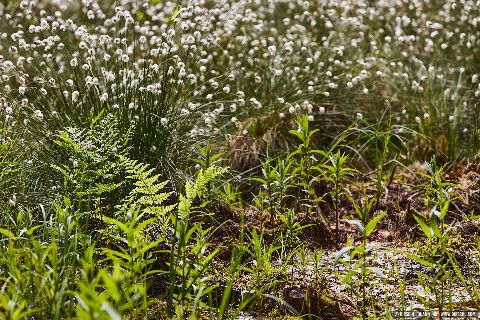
[154, 199]
[192, 191]
[147, 194]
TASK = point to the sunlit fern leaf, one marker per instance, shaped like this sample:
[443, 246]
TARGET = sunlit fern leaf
[147, 195]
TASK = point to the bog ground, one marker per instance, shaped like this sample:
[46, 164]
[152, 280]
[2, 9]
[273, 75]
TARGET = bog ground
[260, 159]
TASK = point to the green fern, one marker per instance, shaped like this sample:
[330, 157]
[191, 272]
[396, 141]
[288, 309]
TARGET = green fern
[86, 167]
[147, 195]
[91, 171]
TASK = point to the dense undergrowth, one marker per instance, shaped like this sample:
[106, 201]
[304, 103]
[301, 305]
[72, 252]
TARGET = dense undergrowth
[235, 159]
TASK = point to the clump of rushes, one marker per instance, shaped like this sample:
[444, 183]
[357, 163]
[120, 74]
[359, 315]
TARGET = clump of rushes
[386, 142]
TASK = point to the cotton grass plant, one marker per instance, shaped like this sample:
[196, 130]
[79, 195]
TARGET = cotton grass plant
[180, 71]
